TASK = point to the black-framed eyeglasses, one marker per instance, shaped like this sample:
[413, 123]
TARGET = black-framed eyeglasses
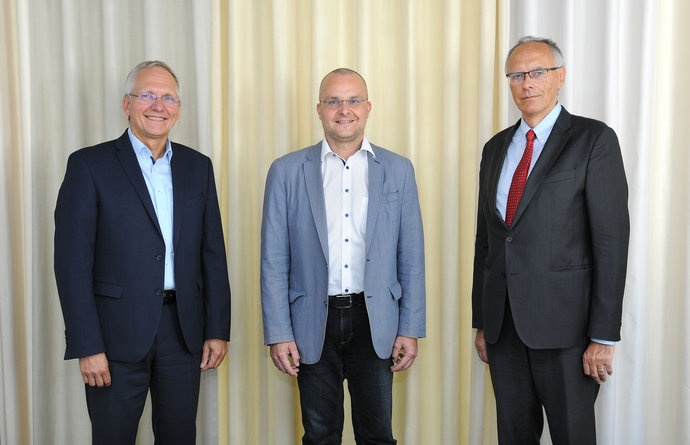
[150, 99]
[334, 102]
[537, 74]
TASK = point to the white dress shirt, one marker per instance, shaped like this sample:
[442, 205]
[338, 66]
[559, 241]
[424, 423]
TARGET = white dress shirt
[346, 193]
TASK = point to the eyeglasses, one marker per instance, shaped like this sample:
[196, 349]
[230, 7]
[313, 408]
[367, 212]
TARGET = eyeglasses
[537, 74]
[150, 99]
[334, 102]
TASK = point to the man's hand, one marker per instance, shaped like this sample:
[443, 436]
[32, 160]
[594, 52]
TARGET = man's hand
[597, 361]
[404, 353]
[480, 344]
[282, 353]
[94, 370]
[213, 353]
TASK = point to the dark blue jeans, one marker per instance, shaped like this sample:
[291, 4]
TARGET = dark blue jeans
[348, 353]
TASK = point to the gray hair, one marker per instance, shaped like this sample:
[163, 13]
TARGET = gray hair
[129, 83]
[557, 55]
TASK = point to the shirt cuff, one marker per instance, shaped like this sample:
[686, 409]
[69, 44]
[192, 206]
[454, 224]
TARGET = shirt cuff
[603, 342]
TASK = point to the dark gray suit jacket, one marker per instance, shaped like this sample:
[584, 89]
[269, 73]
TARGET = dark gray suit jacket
[562, 263]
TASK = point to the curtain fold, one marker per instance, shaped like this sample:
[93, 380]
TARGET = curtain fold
[15, 325]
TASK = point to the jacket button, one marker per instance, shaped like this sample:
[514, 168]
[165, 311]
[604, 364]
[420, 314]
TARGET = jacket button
[509, 239]
[159, 292]
[159, 257]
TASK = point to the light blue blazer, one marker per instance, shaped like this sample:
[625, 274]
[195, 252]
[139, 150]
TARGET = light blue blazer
[294, 253]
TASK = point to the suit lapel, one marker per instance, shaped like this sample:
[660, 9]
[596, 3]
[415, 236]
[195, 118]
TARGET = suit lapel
[375, 192]
[314, 183]
[125, 154]
[179, 181]
[495, 172]
[552, 149]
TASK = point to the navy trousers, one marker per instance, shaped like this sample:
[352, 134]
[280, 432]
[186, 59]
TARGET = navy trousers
[170, 372]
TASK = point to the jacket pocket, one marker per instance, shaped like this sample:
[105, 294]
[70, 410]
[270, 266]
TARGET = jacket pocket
[107, 289]
[390, 197]
[196, 200]
[294, 295]
[396, 290]
[560, 176]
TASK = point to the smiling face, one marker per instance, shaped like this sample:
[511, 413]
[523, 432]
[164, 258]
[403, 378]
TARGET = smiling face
[535, 99]
[151, 123]
[344, 125]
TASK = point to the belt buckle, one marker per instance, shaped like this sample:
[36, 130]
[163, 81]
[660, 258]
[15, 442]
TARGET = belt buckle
[340, 305]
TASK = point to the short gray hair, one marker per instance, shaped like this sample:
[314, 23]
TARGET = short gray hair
[557, 55]
[129, 83]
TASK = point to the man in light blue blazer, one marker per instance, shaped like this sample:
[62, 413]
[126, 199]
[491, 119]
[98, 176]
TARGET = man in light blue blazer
[342, 269]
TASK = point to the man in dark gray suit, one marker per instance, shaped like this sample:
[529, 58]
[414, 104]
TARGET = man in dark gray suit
[550, 256]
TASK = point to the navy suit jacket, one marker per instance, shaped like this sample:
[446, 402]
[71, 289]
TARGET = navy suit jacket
[562, 262]
[109, 253]
[294, 253]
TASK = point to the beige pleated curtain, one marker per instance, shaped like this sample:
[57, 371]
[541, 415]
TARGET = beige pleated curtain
[250, 72]
[410, 53]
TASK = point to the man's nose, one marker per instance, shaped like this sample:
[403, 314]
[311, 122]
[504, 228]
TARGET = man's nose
[158, 104]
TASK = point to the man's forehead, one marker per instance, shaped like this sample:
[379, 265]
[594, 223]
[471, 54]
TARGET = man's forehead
[338, 80]
[154, 75]
[532, 52]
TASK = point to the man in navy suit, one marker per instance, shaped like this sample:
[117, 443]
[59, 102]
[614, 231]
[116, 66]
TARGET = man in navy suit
[141, 269]
[342, 269]
[550, 256]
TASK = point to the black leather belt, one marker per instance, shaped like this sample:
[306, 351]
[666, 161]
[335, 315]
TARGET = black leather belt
[345, 301]
[169, 296]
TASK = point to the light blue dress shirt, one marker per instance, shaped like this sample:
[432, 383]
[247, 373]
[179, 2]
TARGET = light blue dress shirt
[517, 148]
[158, 179]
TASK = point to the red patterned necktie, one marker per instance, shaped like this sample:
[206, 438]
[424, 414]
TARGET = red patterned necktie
[519, 179]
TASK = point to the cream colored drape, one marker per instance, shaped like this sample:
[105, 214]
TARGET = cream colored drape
[430, 70]
[250, 72]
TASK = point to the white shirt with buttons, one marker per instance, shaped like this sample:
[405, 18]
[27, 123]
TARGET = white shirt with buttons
[346, 193]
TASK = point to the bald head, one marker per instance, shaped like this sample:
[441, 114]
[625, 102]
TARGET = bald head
[341, 72]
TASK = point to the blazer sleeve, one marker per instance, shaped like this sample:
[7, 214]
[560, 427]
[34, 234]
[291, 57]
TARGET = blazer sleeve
[214, 267]
[410, 260]
[275, 259]
[481, 247]
[607, 207]
[75, 235]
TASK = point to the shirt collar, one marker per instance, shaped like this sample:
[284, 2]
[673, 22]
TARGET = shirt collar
[543, 129]
[326, 149]
[140, 148]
